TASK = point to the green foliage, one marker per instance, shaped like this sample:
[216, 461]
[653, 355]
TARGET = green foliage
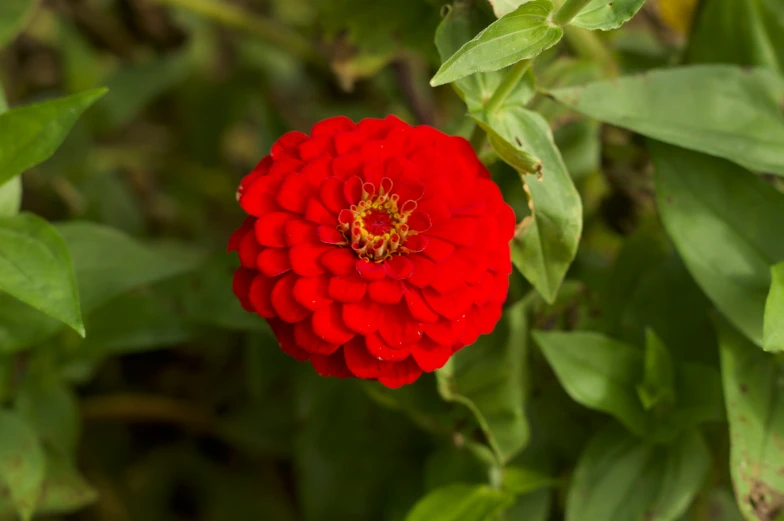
[678, 106]
[36, 268]
[520, 35]
[636, 371]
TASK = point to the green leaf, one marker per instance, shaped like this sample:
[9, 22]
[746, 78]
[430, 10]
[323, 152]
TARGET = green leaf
[64, 490]
[754, 392]
[488, 379]
[702, 198]
[720, 110]
[14, 15]
[10, 197]
[598, 372]
[521, 480]
[620, 478]
[30, 135]
[461, 503]
[742, 33]
[22, 463]
[658, 384]
[605, 15]
[462, 21]
[520, 35]
[36, 268]
[109, 263]
[546, 242]
[530, 507]
[773, 330]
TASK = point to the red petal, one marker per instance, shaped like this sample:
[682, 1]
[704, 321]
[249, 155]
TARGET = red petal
[370, 270]
[315, 212]
[424, 270]
[419, 222]
[506, 222]
[400, 373]
[363, 318]
[283, 166]
[386, 291]
[488, 316]
[437, 249]
[283, 302]
[307, 340]
[430, 355]
[398, 328]
[330, 235]
[332, 126]
[399, 267]
[298, 232]
[313, 148]
[241, 282]
[347, 165]
[450, 274]
[416, 243]
[475, 209]
[445, 332]
[484, 289]
[237, 236]
[451, 305]
[317, 170]
[329, 326]
[350, 288]
[285, 335]
[418, 307]
[352, 190]
[457, 230]
[261, 296]
[436, 209]
[305, 259]
[331, 193]
[359, 360]
[287, 144]
[270, 229]
[472, 329]
[340, 261]
[332, 365]
[311, 292]
[274, 261]
[501, 287]
[249, 251]
[294, 192]
[382, 352]
[348, 141]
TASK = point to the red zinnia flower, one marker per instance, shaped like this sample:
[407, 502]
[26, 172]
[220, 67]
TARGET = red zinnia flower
[374, 250]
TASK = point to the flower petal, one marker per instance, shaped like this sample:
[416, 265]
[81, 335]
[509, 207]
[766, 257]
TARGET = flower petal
[417, 305]
[424, 270]
[273, 261]
[350, 288]
[294, 192]
[380, 351]
[339, 261]
[431, 355]
[332, 365]
[297, 231]
[332, 126]
[328, 325]
[452, 305]
[331, 194]
[282, 298]
[399, 374]
[311, 292]
[385, 291]
[285, 335]
[371, 270]
[305, 259]
[399, 267]
[310, 342]
[270, 229]
[363, 317]
[398, 328]
[261, 296]
[317, 213]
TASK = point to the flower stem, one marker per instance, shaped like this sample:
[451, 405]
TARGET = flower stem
[266, 30]
[477, 138]
[588, 45]
[568, 11]
[513, 77]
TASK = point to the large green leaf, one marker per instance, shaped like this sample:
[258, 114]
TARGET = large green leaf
[109, 263]
[30, 135]
[598, 372]
[462, 21]
[520, 35]
[546, 242]
[750, 32]
[604, 374]
[36, 268]
[720, 110]
[65, 489]
[22, 463]
[14, 14]
[461, 503]
[488, 379]
[10, 191]
[620, 478]
[534, 506]
[607, 14]
[753, 392]
[773, 330]
[658, 383]
[724, 222]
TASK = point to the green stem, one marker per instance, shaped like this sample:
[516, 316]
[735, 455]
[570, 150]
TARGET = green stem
[234, 16]
[513, 77]
[568, 11]
[477, 139]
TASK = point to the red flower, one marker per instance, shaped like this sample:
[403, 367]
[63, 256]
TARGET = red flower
[374, 250]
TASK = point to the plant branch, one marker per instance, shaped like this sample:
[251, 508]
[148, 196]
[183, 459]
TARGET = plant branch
[236, 17]
[568, 11]
[511, 80]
